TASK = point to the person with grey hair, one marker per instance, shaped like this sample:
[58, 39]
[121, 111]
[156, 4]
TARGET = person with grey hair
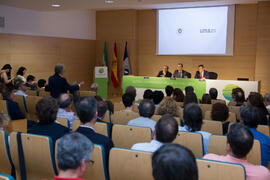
[20, 87]
[94, 87]
[74, 153]
[266, 100]
[58, 84]
[131, 90]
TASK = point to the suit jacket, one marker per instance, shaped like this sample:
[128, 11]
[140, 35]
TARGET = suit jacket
[198, 75]
[54, 130]
[168, 74]
[97, 139]
[184, 74]
[59, 85]
[14, 110]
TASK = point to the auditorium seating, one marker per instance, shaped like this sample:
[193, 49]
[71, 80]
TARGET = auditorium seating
[5, 177]
[31, 102]
[214, 101]
[231, 118]
[123, 117]
[193, 141]
[63, 122]
[205, 107]
[100, 127]
[129, 164]
[118, 107]
[31, 92]
[5, 159]
[264, 129]
[236, 110]
[21, 102]
[87, 93]
[156, 117]
[3, 107]
[107, 117]
[75, 125]
[44, 93]
[19, 125]
[213, 127]
[217, 170]
[124, 136]
[15, 154]
[180, 104]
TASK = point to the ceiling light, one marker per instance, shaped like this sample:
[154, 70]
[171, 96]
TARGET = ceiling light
[56, 5]
[109, 1]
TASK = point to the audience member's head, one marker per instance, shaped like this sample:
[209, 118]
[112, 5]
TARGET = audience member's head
[168, 106]
[102, 109]
[240, 140]
[220, 112]
[21, 71]
[189, 89]
[87, 110]
[41, 83]
[193, 117]
[190, 98]
[213, 93]
[30, 79]
[266, 99]
[59, 68]
[94, 87]
[46, 110]
[19, 84]
[238, 95]
[174, 162]
[147, 108]
[128, 100]
[65, 101]
[169, 90]
[131, 90]
[148, 94]
[178, 95]
[8, 93]
[74, 152]
[206, 99]
[251, 116]
[166, 129]
[157, 97]
[4, 120]
[256, 99]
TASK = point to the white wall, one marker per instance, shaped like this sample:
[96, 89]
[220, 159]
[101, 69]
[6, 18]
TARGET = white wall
[69, 24]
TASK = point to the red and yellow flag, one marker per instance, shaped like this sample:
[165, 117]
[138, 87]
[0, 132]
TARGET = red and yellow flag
[114, 72]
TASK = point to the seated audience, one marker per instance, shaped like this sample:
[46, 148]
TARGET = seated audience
[266, 100]
[239, 96]
[239, 143]
[169, 90]
[193, 123]
[20, 73]
[20, 87]
[190, 98]
[14, 111]
[4, 120]
[174, 162]
[87, 111]
[157, 97]
[74, 153]
[42, 83]
[206, 99]
[102, 109]
[178, 95]
[65, 111]
[128, 101]
[46, 110]
[213, 93]
[168, 106]
[148, 94]
[189, 89]
[146, 111]
[220, 112]
[164, 72]
[251, 116]
[165, 131]
[131, 90]
[30, 82]
[94, 87]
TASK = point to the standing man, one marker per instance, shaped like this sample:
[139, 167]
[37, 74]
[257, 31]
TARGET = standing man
[58, 84]
[180, 73]
[164, 72]
[201, 73]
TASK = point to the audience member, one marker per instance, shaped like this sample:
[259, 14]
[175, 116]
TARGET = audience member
[178, 95]
[266, 100]
[58, 84]
[165, 131]
[5, 75]
[174, 162]
[12, 106]
[169, 90]
[213, 93]
[168, 106]
[102, 109]
[206, 99]
[193, 123]
[20, 73]
[239, 96]
[157, 97]
[220, 112]
[128, 101]
[131, 90]
[20, 87]
[190, 98]
[87, 111]
[31, 82]
[42, 83]
[94, 87]
[74, 153]
[189, 89]
[239, 143]
[251, 116]
[148, 94]
[46, 111]
[65, 111]
[146, 110]
[4, 120]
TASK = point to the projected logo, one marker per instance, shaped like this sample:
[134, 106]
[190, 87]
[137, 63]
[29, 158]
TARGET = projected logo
[101, 70]
[180, 31]
[227, 91]
[208, 30]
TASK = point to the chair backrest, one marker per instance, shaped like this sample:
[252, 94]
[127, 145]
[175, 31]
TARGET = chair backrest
[135, 108]
[236, 110]
[231, 118]
[21, 102]
[3, 107]
[38, 156]
[63, 122]
[181, 104]
[5, 159]
[125, 136]
[129, 164]
[156, 117]
[15, 154]
[213, 127]
[102, 128]
[216, 170]
[232, 103]
[264, 129]
[118, 107]
[214, 101]
[44, 93]
[87, 93]
[193, 141]
[205, 107]
[75, 125]
[19, 125]
[6, 177]
[107, 117]
[212, 75]
[31, 92]
[31, 102]
[123, 117]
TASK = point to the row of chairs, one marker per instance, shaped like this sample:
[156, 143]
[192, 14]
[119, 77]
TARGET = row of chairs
[43, 93]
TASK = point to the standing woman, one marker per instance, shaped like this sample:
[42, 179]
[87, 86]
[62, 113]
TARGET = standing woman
[5, 75]
[21, 72]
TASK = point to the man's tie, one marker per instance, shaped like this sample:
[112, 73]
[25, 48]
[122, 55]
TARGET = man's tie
[201, 76]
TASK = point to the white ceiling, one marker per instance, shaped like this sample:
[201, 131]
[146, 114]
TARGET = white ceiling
[45, 5]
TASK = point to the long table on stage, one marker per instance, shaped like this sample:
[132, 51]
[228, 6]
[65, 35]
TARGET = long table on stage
[224, 87]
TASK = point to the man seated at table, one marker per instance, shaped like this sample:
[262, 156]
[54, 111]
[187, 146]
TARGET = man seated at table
[180, 73]
[164, 72]
[201, 73]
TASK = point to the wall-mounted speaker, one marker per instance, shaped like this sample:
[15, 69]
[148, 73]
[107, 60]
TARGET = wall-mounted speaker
[2, 21]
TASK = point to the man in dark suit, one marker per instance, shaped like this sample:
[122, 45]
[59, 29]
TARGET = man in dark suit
[58, 84]
[87, 111]
[46, 110]
[201, 73]
[164, 72]
[180, 73]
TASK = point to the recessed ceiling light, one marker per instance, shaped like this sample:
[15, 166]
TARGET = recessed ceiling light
[109, 1]
[56, 5]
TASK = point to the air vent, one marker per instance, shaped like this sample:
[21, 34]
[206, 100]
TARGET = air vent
[2, 21]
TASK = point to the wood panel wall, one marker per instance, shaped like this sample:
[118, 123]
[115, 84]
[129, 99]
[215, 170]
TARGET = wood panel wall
[40, 54]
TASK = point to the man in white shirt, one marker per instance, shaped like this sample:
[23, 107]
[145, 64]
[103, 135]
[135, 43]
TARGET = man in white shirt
[266, 100]
[20, 87]
[165, 132]
[146, 110]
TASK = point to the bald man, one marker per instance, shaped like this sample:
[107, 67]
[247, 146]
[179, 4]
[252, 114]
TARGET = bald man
[65, 111]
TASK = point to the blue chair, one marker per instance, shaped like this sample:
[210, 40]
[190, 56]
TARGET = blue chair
[6, 177]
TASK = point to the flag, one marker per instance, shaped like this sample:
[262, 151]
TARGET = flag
[114, 69]
[105, 55]
[127, 70]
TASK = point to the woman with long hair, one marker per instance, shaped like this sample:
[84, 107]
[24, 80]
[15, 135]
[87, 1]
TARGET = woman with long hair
[21, 72]
[5, 75]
